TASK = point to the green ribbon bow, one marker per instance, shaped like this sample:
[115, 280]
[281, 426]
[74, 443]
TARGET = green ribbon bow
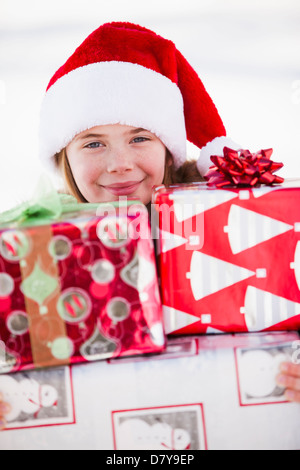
[45, 206]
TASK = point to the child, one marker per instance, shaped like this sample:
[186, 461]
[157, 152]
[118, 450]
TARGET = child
[126, 75]
[116, 117]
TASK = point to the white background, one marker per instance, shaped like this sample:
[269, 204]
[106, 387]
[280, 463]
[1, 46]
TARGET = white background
[246, 53]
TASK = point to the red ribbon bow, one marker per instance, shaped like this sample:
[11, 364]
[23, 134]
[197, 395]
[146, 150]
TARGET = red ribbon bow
[243, 168]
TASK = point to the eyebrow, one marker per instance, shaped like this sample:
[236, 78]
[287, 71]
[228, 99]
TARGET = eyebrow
[136, 131]
[95, 135]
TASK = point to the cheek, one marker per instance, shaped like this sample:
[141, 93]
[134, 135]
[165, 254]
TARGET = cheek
[158, 171]
[154, 166]
[85, 173]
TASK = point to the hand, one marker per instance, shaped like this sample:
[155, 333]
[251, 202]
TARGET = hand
[4, 409]
[289, 378]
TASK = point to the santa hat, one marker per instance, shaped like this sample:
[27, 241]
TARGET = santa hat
[124, 73]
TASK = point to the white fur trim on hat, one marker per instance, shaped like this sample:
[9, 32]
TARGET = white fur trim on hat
[112, 93]
[215, 147]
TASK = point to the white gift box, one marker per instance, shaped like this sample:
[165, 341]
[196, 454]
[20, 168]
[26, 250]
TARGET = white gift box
[209, 392]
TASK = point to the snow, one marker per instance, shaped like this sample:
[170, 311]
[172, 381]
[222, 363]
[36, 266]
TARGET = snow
[246, 53]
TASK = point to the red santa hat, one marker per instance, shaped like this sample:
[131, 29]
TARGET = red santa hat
[124, 73]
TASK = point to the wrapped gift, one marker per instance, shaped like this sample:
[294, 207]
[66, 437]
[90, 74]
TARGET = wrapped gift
[77, 283]
[210, 392]
[229, 257]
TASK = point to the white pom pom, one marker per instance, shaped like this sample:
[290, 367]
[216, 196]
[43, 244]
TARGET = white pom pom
[215, 147]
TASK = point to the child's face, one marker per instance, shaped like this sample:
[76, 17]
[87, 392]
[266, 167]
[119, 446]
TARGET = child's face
[115, 160]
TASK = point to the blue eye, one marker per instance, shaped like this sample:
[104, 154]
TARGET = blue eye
[93, 145]
[136, 140]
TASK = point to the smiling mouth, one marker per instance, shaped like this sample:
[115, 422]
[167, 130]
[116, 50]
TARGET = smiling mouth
[126, 188]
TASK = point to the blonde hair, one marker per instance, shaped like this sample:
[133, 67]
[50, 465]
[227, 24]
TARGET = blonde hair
[187, 173]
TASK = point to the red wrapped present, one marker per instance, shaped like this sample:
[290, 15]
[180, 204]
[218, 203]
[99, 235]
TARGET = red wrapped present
[229, 258]
[75, 287]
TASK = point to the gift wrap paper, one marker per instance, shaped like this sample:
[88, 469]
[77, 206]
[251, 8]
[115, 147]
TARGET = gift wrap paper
[202, 393]
[229, 259]
[78, 289]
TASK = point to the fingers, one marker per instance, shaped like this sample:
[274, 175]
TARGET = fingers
[289, 378]
[290, 369]
[292, 395]
[4, 409]
[2, 423]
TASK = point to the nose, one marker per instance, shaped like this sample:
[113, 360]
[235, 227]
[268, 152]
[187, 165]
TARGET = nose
[119, 161]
